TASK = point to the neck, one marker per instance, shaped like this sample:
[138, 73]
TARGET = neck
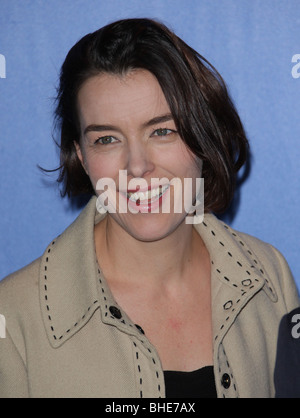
[160, 262]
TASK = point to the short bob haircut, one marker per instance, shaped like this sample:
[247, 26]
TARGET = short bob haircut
[203, 112]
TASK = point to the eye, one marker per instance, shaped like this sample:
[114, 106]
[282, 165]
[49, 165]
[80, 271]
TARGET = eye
[162, 132]
[105, 140]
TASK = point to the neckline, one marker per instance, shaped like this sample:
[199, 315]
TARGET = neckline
[183, 372]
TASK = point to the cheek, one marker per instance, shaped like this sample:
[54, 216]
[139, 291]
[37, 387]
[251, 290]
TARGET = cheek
[183, 161]
[99, 167]
[190, 170]
[191, 164]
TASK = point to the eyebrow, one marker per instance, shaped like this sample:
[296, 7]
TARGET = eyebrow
[154, 121]
[158, 119]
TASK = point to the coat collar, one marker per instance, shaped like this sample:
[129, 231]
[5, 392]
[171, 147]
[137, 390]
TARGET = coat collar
[236, 272]
[72, 286]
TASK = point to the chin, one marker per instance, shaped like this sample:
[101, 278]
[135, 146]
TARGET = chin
[152, 227]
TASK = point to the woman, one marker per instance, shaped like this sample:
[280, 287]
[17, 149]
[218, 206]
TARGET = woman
[145, 301]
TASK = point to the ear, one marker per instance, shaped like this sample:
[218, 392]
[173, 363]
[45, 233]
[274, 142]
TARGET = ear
[80, 156]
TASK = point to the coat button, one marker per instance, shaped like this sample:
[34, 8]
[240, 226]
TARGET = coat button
[226, 381]
[115, 312]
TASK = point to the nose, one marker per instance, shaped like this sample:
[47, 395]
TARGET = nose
[139, 161]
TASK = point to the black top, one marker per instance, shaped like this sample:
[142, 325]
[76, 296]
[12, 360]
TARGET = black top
[196, 384]
[287, 367]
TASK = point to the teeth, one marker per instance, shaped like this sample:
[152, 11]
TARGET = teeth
[150, 194]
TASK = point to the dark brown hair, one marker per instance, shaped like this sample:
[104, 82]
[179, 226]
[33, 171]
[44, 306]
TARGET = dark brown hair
[203, 112]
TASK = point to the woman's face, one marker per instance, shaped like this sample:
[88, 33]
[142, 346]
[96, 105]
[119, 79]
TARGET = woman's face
[130, 143]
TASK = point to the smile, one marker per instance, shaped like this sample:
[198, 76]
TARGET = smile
[152, 194]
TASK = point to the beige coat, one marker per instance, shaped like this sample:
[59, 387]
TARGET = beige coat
[66, 336]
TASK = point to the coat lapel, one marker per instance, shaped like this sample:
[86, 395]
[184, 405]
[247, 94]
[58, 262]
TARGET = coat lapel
[68, 284]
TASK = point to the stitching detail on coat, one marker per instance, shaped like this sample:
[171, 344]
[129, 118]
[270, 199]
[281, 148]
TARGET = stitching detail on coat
[103, 292]
[140, 379]
[255, 265]
[136, 350]
[230, 305]
[46, 298]
[137, 353]
[139, 368]
[107, 313]
[156, 374]
[245, 285]
[224, 391]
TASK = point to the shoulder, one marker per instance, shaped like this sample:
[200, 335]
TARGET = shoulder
[19, 287]
[273, 266]
[23, 284]
[255, 255]
[21, 279]
[259, 253]
[268, 256]
[265, 253]
[255, 250]
[19, 304]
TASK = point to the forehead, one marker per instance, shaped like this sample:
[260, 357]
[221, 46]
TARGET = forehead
[136, 95]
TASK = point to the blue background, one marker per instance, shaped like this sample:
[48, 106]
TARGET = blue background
[250, 42]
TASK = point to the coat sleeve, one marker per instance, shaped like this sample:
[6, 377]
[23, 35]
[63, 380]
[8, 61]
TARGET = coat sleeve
[287, 367]
[13, 376]
[19, 305]
[287, 284]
